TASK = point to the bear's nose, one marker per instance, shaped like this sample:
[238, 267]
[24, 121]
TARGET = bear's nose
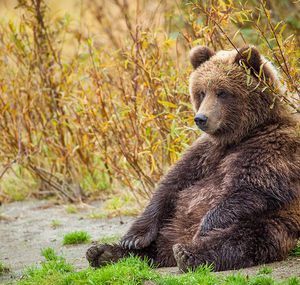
[200, 120]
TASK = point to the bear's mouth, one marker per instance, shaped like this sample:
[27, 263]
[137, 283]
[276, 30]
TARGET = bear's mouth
[203, 128]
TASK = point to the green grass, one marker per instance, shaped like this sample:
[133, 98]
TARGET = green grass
[133, 271]
[76, 237]
[3, 268]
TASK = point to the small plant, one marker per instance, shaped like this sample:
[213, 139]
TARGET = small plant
[55, 224]
[71, 209]
[18, 183]
[53, 264]
[296, 250]
[121, 206]
[76, 237]
[3, 268]
[49, 254]
[109, 239]
[265, 270]
[97, 215]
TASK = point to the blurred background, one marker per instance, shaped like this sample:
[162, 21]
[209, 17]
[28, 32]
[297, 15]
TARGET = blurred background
[94, 97]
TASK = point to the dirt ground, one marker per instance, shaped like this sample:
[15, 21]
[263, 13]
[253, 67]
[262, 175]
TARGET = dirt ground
[27, 227]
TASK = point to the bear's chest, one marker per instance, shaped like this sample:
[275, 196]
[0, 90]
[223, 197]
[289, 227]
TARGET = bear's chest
[198, 199]
[195, 201]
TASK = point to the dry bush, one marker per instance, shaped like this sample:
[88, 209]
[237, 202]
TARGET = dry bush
[87, 108]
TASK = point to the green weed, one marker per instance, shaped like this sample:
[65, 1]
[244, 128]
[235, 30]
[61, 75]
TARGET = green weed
[76, 237]
[3, 268]
[71, 209]
[121, 206]
[97, 215]
[18, 183]
[296, 250]
[265, 270]
[55, 224]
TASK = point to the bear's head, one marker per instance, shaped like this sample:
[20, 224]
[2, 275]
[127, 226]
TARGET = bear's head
[233, 92]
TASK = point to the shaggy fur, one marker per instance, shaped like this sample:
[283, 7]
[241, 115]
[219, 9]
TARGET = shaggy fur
[233, 199]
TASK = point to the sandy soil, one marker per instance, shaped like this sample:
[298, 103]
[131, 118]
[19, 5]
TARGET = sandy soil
[26, 228]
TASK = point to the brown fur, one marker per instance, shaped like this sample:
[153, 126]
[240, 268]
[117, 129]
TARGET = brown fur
[233, 199]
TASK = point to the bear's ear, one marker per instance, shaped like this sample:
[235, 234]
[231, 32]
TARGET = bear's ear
[250, 57]
[200, 54]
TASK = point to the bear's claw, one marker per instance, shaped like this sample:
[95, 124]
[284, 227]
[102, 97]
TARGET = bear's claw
[131, 242]
[135, 242]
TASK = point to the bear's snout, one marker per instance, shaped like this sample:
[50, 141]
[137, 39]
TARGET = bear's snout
[200, 120]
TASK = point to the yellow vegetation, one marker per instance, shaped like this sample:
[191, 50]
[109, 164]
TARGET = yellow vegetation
[94, 95]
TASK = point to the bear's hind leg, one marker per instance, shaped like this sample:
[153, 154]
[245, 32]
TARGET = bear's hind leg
[243, 245]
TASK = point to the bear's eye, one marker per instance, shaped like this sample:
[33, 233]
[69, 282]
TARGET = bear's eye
[201, 95]
[222, 94]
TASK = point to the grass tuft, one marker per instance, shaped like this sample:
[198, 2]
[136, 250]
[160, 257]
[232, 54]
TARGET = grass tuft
[97, 215]
[109, 239]
[71, 209]
[3, 268]
[49, 254]
[77, 237]
[55, 224]
[296, 250]
[265, 270]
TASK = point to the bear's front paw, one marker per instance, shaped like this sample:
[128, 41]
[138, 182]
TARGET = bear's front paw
[184, 258]
[99, 255]
[137, 241]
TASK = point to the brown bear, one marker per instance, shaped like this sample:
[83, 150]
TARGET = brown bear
[233, 199]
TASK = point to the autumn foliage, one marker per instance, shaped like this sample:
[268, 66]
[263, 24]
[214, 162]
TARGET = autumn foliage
[101, 103]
